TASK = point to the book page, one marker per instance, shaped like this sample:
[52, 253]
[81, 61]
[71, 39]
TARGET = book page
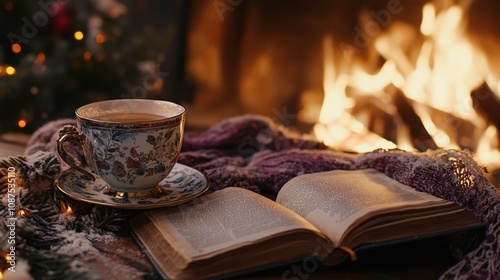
[333, 200]
[223, 220]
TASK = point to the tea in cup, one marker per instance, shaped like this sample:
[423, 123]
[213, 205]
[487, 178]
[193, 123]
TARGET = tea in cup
[131, 144]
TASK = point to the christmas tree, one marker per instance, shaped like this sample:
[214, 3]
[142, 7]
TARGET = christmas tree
[58, 55]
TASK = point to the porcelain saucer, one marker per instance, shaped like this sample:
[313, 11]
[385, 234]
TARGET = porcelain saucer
[181, 185]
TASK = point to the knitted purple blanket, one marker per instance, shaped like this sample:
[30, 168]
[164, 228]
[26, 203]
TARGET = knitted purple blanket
[254, 153]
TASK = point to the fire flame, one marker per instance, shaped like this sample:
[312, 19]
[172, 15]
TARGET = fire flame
[336, 125]
[446, 69]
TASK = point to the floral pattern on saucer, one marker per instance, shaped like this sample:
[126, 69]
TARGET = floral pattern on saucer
[181, 185]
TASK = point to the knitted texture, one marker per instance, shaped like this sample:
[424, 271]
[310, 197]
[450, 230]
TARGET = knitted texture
[253, 152]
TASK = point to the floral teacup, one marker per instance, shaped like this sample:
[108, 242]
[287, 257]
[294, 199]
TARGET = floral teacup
[132, 144]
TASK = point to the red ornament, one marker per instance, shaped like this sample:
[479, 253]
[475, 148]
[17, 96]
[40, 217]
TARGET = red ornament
[63, 20]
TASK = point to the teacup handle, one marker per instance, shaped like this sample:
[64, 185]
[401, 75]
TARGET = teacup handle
[68, 133]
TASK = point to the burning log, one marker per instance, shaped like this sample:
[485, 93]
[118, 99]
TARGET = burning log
[486, 103]
[420, 137]
[378, 116]
[460, 131]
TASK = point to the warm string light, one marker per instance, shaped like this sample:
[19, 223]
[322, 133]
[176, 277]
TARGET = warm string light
[78, 35]
[69, 211]
[22, 123]
[3, 265]
[66, 208]
[22, 213]
[100, 38]
[16, 48]
[87, 55]
[10, 70]
[40, 57]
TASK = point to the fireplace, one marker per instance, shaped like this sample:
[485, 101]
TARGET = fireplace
[358, 75]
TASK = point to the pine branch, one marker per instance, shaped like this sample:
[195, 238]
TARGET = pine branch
[109, 219]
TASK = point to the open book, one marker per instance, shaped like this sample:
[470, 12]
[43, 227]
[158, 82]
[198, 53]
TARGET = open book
[327, 216]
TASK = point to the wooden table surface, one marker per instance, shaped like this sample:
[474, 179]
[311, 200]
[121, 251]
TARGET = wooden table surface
[418, 260]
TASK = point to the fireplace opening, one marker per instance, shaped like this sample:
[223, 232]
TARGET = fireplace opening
[358, 75]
